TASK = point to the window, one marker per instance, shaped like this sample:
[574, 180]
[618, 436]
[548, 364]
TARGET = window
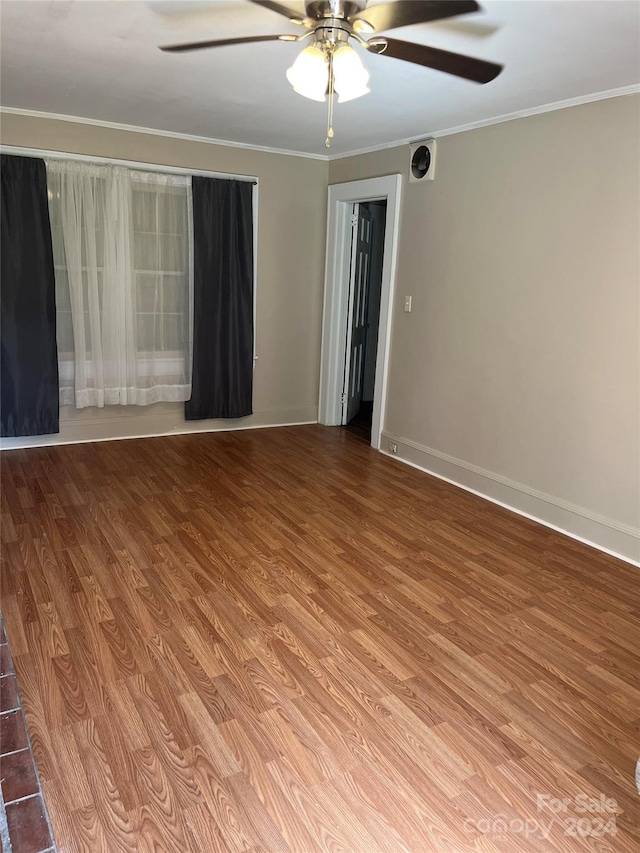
[122, 250]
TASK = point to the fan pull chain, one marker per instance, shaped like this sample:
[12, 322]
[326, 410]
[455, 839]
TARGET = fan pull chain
[327, 143]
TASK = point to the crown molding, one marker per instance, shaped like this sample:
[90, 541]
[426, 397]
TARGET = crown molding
[634, 89]
[153, 131]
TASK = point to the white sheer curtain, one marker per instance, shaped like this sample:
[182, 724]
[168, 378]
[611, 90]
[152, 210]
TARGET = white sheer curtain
[122, 248]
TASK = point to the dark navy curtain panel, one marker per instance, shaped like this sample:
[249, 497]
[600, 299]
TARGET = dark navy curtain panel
[222, 381]
[29, 357]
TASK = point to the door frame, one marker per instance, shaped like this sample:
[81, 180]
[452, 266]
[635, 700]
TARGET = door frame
[336, 295]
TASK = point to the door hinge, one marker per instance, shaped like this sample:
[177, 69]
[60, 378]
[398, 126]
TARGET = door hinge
[344, 398]
[354, 220]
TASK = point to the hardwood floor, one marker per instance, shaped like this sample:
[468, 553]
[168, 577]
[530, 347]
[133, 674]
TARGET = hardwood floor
[280, 640]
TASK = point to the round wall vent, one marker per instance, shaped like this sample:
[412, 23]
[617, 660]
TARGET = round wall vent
[423, 161]
[420, 162]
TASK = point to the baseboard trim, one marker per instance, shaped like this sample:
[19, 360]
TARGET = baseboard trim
[128, 427]
[605, 534]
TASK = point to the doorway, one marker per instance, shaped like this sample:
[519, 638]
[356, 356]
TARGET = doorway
[340, 303]
[365, 289]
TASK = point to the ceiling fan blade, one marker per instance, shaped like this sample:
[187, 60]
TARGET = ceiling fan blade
[478, 70]
[198, 45]
[279, 9]
[403, 13]
[467, 27]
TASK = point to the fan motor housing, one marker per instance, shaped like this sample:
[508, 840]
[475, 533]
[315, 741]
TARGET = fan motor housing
[317, 9]
[422, 162]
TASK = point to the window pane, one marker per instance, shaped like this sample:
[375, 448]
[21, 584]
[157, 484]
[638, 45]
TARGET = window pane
[146, 253]
[87, 332]
[159, 331]
[172, 211]
[146, 327]
[174, 293]
[173, 333]
[147, 293]
[144, 210]
[64, 332]
[63, 299]
[100, 244]
[173, 255]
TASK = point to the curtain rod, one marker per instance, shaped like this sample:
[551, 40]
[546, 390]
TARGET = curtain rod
[133, 164]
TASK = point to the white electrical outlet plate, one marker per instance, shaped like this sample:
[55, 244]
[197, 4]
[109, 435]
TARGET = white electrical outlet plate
[407, 304]
[393, 447]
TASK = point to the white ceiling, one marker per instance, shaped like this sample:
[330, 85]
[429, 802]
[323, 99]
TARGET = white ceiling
[100, 60]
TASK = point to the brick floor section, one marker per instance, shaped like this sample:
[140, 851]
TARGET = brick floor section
[24, 823]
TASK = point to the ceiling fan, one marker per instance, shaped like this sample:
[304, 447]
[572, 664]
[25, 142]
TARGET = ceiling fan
[329, 63]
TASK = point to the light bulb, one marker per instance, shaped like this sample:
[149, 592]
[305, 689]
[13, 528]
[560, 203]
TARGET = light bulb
[350, 75]
[352, 94]
[309, 74]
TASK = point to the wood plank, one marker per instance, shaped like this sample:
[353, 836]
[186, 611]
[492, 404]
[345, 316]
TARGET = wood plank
[280, 640]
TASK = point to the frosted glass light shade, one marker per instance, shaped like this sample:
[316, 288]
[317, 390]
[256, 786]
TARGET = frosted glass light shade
[309, 74]
[350, 75]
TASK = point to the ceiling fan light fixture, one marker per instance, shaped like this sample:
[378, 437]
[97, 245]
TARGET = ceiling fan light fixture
[309, 74]
[330, 66]
[350, 75]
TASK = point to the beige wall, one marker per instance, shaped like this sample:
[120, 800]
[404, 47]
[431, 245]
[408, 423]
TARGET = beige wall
[290, 267]
[518, 371]
[521, 355]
